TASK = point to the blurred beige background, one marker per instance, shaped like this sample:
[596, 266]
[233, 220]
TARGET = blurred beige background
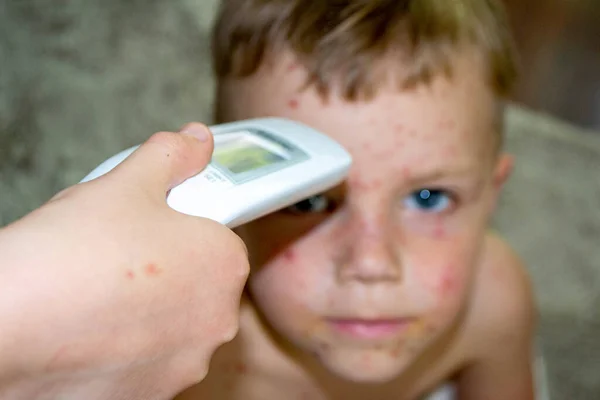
[80, 81]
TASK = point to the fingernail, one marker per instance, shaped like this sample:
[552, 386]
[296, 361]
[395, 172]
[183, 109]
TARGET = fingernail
[199, 131]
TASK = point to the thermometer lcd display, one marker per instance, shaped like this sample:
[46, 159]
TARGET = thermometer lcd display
[241, 155]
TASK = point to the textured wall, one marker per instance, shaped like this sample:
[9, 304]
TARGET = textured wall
[80, 81]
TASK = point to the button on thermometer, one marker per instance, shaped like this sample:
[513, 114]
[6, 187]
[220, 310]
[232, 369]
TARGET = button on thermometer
[258, 166]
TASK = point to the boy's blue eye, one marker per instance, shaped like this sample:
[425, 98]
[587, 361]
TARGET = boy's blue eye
[314, 204]
[428, 200]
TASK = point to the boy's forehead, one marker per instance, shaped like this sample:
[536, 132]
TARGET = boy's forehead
[446, 116]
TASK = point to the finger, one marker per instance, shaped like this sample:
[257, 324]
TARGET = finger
[167, 159]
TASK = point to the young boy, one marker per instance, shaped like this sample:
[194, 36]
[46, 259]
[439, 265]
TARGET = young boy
[389, 286]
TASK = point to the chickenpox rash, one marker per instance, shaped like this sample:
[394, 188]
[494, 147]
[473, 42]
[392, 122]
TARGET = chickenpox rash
[439, 232]
[152, 270]
[293, 104]
[447, 283]
[289, 255]
[405, 172]
[356, 182]
[130, 274]
[397, 351]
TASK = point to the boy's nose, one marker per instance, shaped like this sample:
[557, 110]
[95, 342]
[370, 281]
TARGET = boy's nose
[370, 256]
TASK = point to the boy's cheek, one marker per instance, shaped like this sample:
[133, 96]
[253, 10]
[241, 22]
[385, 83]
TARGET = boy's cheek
[444, 273]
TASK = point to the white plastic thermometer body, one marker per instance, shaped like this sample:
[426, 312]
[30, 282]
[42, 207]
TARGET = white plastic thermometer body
[258, 166]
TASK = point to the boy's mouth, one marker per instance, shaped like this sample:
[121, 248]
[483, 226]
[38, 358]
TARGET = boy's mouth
[369, 328]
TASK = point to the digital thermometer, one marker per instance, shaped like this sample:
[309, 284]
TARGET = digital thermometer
[258, 166]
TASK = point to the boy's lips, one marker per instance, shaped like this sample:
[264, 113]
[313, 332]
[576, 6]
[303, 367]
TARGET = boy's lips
[369, 328]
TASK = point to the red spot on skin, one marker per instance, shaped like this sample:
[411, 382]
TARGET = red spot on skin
[439, 232]
[405, 172]
[151, 269]
[397, 352]
[448, 283]
[293, 103]
[292, 66]
[241, 368]
[289, 255]
[130, 274]
[399, 128]
[357, 183]
[376, 184]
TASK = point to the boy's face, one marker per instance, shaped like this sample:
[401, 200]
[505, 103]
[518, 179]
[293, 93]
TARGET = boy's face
[366, 276]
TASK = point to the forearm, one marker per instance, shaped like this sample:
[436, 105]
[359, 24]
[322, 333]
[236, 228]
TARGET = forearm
[10, 309]
[21, 349]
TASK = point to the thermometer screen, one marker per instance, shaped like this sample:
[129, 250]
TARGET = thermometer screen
[242, 155]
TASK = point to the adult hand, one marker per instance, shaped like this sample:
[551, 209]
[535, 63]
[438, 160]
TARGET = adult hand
[107, 293]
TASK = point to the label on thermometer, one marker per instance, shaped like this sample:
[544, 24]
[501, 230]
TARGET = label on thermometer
[211, 178]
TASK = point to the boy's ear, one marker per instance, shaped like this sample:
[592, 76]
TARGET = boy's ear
[503, 170]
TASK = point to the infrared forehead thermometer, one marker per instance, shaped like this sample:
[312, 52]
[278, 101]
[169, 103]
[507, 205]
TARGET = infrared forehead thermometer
[258, 166]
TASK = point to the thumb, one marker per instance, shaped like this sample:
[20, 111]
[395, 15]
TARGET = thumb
[167, 159]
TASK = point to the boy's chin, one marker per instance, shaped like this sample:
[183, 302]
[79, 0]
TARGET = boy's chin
[366, 367]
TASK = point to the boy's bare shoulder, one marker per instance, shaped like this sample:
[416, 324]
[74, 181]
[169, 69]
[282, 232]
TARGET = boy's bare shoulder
[499, 331]
[502, 303]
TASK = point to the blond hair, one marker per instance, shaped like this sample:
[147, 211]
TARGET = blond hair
[338, 41]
